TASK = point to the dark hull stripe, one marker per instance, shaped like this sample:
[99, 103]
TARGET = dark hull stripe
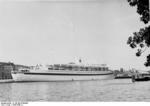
[67, 74]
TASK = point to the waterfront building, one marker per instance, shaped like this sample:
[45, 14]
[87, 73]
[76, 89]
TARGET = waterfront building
[5, 70]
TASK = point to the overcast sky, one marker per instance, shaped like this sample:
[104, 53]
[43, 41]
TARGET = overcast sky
[63, 31]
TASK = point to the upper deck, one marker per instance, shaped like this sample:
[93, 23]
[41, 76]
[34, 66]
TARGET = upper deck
[78, 67]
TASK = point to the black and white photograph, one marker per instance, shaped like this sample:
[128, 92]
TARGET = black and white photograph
[74, 51]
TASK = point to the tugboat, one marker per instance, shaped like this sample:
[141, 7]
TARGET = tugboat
[141, 77]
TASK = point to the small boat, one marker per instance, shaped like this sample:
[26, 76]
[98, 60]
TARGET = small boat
[123, 77]
[141, 77]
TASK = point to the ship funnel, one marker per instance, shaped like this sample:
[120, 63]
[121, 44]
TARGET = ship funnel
[80, 61]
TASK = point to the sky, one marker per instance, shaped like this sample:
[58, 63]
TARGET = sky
[62, 31]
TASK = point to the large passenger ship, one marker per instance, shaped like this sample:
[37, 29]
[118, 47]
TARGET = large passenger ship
[65, 72]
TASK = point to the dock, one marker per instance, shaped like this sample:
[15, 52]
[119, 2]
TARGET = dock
[6, 80]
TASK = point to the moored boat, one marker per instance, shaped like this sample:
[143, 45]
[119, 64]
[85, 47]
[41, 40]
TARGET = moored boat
[65, 72]
[123, 76]
[141, 77]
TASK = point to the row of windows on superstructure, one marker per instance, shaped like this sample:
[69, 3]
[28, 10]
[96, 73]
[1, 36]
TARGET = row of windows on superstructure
[77, 68]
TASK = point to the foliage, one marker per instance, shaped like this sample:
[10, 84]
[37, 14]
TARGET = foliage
[141, 40]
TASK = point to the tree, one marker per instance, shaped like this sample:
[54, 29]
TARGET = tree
[141, 40]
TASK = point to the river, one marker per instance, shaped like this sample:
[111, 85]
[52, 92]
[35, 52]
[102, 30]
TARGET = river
[98, 90]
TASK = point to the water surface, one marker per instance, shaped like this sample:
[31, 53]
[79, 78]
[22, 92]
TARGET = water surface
[100, 90]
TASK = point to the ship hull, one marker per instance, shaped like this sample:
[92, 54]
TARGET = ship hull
[37, 76]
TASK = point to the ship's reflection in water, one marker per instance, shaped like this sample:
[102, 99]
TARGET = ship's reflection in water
[100, 90]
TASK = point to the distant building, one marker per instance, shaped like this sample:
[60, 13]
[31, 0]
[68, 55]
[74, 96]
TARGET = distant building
[18, 67]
